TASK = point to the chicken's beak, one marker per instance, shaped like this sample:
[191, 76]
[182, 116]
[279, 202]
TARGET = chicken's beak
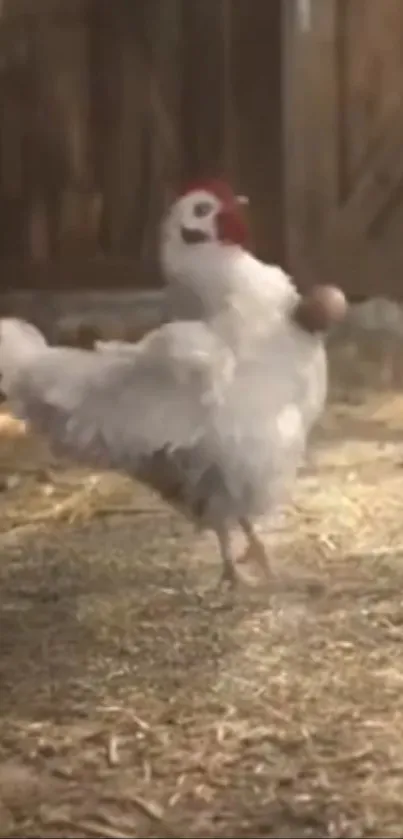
[243, 200]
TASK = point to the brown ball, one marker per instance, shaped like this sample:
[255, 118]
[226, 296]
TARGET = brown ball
[321, 308]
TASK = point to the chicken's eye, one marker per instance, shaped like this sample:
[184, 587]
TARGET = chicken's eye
[202, 209]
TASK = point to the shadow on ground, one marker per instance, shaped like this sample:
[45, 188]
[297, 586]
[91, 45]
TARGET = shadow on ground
[86, 609]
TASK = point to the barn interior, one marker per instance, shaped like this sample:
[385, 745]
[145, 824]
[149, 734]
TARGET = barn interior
[135, 698]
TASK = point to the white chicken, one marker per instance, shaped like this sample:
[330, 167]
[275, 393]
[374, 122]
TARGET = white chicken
[214, 414]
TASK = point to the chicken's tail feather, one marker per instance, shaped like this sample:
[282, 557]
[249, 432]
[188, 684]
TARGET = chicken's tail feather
[20, 342]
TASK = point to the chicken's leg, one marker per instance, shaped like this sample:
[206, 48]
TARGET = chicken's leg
[255, 549]
[229, 575]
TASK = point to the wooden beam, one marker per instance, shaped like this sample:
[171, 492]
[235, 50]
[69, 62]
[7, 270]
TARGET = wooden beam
[351, 246]
[256, 95]
[13, 10]
[376, 187]
[75, 274]
[311, 92]
[330, 241]
[204, 110]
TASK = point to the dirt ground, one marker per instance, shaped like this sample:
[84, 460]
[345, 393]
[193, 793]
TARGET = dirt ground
[137, 701]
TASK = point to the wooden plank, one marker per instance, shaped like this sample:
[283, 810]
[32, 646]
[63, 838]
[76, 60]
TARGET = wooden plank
[311, 80]
[363, 269]
[351, 250]
[163, 136]
[349, 246]
[255, 92]
[135, 106]
[204, 88]
[62, 203]
[295, 130]
[127, 100]
[375, 188]
[75, 274]
[64, 9]
[323, 96]
[372, 78]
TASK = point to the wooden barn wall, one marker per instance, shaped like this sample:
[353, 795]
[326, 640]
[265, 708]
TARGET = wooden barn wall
[344, 91]
[105, 106]
[373, 131]
[371, 69]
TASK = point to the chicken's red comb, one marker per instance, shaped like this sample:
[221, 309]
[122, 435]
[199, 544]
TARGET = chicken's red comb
[219, 188]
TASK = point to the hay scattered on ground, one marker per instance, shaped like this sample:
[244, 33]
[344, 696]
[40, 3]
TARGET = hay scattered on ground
[136, 701]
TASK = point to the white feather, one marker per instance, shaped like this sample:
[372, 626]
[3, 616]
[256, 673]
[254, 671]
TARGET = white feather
[231, 398]
[20, 344]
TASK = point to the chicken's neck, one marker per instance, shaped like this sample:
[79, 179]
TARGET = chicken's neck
[218, 276]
